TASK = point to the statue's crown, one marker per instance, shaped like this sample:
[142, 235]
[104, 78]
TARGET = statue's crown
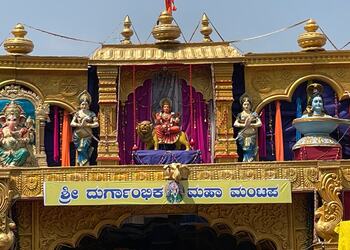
[314, 88]
[84, 97]
[13, 108]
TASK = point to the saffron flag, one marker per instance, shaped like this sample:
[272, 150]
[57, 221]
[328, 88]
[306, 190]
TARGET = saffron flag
[279, 134]
[66, 139]
[170, 6]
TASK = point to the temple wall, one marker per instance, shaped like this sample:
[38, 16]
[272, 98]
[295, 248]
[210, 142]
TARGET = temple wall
[39, 227]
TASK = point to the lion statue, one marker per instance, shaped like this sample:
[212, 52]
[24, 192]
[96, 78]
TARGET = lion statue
[147, 135]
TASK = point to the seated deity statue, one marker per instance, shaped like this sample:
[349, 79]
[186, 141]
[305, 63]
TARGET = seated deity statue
[167, 127]
[84, 120]
[16, 136]
[248, 122]
[315, 107]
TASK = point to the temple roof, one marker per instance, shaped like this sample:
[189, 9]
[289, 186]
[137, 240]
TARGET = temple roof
[122, 54]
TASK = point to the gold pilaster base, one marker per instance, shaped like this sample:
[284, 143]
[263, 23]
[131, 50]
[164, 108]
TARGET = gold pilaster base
[326, 246]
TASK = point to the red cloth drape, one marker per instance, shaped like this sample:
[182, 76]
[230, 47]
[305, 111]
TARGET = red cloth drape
[170, 6]
[66, 139]
[279, 134]
[346, 203]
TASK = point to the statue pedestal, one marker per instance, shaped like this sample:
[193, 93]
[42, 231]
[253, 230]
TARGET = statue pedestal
[316, 143]
[318, 153]
[155, 157]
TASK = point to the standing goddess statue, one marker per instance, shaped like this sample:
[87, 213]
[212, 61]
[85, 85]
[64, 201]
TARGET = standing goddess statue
[248, 122]
[84, 120]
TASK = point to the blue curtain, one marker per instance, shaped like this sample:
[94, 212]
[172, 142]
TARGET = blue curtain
[238, 89]
[92, 87]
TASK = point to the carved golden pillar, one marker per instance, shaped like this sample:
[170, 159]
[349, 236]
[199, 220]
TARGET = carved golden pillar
[42, 113]
[6, 224]
[331, 212]
[108, 152]
[225, 149]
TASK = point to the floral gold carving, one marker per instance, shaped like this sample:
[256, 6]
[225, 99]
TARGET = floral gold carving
[31, 185]
[262, 83]
[24, 218]
[302, 210]
[6, 224]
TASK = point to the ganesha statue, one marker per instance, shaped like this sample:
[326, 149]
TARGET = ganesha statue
[17, 135]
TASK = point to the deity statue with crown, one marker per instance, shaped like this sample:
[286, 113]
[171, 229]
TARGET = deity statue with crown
[84, 120]
[316, 126]
[248, 123]
[17, 135]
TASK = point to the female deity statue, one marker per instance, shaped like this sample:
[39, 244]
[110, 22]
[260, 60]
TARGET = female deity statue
[248, 122]
[16, 136]
[167, 124]
[84, 120]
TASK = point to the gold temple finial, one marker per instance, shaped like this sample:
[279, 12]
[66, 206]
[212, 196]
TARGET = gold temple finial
[18, 44]
[206, 30]
[311, 40]
[127, 31]
[165, 32]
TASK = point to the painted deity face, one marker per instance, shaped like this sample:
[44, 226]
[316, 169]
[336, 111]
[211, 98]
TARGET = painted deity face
[317, 105]
[166, 108]
[84, 105]
[246, 105]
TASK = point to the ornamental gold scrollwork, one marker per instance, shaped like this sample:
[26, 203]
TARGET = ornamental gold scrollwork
[6, 224]
[330, 213]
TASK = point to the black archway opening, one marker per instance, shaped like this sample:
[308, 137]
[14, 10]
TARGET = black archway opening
[166, 233]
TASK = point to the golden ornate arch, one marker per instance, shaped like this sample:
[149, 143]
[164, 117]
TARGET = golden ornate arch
[94, 232]
[26, 84]
[65, 105]
[289, 91]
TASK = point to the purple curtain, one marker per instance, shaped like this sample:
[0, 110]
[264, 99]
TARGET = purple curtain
[126, 121]
[200, 120]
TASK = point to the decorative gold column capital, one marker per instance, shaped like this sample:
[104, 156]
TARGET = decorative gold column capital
[108, 152]
[225, 149]
[6, 224]
[107, 84]
[331, 212]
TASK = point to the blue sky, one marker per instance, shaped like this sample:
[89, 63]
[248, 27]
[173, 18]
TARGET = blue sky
[102, 21]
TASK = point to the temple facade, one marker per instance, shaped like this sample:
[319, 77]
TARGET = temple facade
[76, 122]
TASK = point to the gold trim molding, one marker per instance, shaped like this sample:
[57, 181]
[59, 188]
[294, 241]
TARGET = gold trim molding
[41, 62]
[153, 54]
[297, 58]
[303, 174]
